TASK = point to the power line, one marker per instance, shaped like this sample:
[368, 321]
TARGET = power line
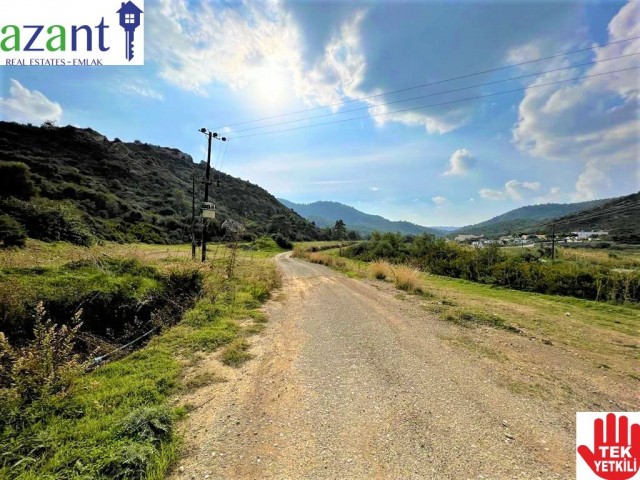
[593, 215]
[612, 211]
[436, 93]
[24, 116]
[101, 358]
[438, 104]
[434, 83]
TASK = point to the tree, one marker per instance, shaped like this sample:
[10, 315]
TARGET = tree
[15, 180]
[12, 234]
[339, 231]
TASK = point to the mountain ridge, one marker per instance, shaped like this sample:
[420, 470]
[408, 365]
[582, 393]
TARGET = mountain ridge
[326, 213]
[525, 218]
[619, 216]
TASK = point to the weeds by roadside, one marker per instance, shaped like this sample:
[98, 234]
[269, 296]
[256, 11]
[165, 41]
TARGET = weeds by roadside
[379, 269]
[407, 278]
[117, 422]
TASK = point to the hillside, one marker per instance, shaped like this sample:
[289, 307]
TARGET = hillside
[325, 214]
[525, 219]
[619, 216]
[79, 185]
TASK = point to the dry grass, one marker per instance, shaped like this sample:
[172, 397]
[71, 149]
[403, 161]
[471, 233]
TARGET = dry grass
[407, 278]
[607, 258]
[324, 259]
[379, 269]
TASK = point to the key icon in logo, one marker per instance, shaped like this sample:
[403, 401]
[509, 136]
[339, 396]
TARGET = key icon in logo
[129, 20]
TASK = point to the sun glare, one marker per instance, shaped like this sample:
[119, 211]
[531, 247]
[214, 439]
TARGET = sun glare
[271, 85]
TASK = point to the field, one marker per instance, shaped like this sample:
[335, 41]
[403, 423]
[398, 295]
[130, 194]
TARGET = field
[613, 258]
[118, 420]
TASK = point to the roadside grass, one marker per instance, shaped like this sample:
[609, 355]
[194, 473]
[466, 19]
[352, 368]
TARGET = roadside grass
[235, 353]
[601, 333]
[322, 245]
[607, 258]
[379, 269]
[407, 278]
[118, 421]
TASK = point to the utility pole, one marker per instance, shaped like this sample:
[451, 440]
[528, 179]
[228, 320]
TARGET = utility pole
[553, 241]
[193, 219]
[210, 136]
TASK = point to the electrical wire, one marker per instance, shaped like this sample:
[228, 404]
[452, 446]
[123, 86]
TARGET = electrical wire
[226, 145]
[593, 215]
[23, 116]
[434, 83]
[101, 358]
[436, 93]
[438, 104]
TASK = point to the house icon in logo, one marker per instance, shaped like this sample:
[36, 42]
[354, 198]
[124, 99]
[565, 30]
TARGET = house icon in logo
[129, 20]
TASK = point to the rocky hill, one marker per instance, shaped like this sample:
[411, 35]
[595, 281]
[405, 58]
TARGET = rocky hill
[75, 184]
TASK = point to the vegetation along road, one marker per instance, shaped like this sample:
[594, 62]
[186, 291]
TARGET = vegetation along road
[352, 379]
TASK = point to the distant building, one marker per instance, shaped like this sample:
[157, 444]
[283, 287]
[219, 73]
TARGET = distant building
[583, 235]
[467, 238]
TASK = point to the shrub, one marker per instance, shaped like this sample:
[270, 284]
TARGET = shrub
[491, 266]
[407, 278]
[379, 269]
[265, 243]
[12, 234]
[283, 242]
[148, 424]
[15, 180]
[131, 461]
[44, 366]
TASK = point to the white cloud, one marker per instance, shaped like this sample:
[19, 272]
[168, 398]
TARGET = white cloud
[374, 189]
[24, 105]
[593, 119]
[439, 200]
[460, 162]
[591, 181]
[513, 190]
[196, 45]
[200, 44]
[141, 90]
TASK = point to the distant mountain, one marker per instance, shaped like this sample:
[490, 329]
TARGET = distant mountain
[525, 219]
[79, 185]
[619, 216]
[446, 229]
[325, 214]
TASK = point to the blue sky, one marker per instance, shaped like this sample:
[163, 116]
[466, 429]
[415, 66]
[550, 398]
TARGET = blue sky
[212, 64]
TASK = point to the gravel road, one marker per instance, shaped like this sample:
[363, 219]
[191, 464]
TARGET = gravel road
[352, 381]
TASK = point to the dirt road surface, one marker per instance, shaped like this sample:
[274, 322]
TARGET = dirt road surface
[350, 380]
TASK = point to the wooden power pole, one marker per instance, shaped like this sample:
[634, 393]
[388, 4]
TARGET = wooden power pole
[207, 181]
[193, 219]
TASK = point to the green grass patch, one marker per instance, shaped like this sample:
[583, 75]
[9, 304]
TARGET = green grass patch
[469, 318]
[235, 354]
[117, 422]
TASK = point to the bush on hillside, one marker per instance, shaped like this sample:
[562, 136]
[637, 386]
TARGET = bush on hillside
[15, 180]
[12, 234]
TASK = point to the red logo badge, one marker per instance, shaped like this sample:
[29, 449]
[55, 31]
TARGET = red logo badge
[608, 446]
